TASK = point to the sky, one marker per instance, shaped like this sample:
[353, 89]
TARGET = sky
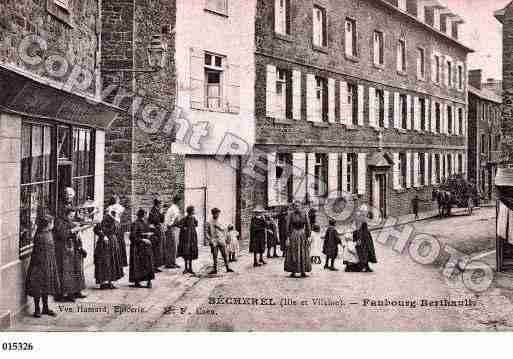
[482, 33]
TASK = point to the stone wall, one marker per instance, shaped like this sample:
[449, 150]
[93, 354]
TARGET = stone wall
[507, 74]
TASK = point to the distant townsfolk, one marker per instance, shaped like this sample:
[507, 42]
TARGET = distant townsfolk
[116, 209]
[42, 276]
[188, 240]
[216, 236]
[156, 220]
[171, 219]
[297, 259]
[142, 267]
[258, 236]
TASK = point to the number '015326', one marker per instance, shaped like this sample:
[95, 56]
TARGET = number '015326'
[17, 346]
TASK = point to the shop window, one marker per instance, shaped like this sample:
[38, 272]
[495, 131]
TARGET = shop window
[83, 165]
[37, 180]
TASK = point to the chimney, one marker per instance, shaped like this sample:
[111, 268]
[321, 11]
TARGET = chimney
[475, 78]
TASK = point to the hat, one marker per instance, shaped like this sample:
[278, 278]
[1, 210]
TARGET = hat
[259, 209]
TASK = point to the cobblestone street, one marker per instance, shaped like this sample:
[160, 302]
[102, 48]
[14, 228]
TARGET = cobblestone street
[181, 303]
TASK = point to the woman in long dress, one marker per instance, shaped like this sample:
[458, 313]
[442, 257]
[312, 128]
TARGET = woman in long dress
[70, 256]
[42, 276]
[141, 252]
[156, 221]
[297, 259]
[365, 247]
[107, 258]
[115, 205]
[188, 240]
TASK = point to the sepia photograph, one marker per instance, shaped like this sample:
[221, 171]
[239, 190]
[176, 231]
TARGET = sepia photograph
[263, 166]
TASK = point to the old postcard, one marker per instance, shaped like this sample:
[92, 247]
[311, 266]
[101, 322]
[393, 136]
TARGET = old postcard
[255, 166]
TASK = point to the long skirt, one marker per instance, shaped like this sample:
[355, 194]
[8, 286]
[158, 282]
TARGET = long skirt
[157, 243]
[42, 275]
[141, 263]
[122, 248]
[170, 245]
[297, 259]
[107, 261]
[73, 279]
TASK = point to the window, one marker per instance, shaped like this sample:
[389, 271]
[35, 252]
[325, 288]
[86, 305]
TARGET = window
[449, 119]
[460, 121]
[401, 56]
[380, 108]
[213, 80]
[483, 144]
[379, 56]
[404, 111]
[284, 181]
[281, 17]
[449, 165]
[422, 169]
[421, 64]
[37, 179]
[460, 77]
[437, 168]
[83, 165]
[319, 27]
[437, 69]
[352, 173]
[437, 117]
[350, 38]
[283, 99]
[402, 169]
[444, 167]
[218, 6]
[423, 114]
[460, 163]
[352, 100]
[321, 98]
[321, 174]
[449, 74]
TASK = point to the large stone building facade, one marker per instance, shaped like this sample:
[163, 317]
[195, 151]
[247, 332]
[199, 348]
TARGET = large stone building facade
[52, 126]
[484, 133]
[364, 97]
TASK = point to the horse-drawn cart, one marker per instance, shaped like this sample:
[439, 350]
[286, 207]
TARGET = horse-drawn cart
[456, 192]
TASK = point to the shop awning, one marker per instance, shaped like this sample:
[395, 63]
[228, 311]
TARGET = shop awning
[28, 95]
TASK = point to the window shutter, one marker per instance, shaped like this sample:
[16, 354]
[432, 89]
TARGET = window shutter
[332, 173]
[416, 114]
[456, 120]
[416, 170]
[386, 104]
[444, 116]
[344, 171]
[464, 122]
[344, 106]
[296, 95]
[433, 169]
[271, 91]
[361, 90]
[299, 176]
[362, 173]
[311, 176]
[331, 100]
[395, 173]
[408, 169]
[464, 164]
[272, 190]
[453, 158]
[433, 116]
[408, 112]
[197, 74]
[372, 107]
[446, 165]
[234, 89]
[397, 112]
[310, 98]
[428, 115]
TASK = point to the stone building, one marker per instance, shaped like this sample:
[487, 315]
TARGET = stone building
[52, 126]
[484, 133]
[365, 97]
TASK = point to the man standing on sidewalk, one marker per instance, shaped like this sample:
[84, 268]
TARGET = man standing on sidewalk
[216, 236]
[171, 219]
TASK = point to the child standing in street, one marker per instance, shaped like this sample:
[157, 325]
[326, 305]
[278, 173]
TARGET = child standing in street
[350, 255]
[330, 245]
[315, 239]
[232, 244]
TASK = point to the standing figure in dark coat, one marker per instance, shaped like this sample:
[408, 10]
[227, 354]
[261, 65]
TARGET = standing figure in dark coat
[141, 252]
[330, 245]
[156, 219]
[70, 256]
[272, 236]
[116, 207]
[298, 259]
[364, 247]
[42, 276]
[188, 239]
[312, 216]
[258, 236]
[282, 229]
[108, 266]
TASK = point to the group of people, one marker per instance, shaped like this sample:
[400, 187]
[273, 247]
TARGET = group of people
[297, 232]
